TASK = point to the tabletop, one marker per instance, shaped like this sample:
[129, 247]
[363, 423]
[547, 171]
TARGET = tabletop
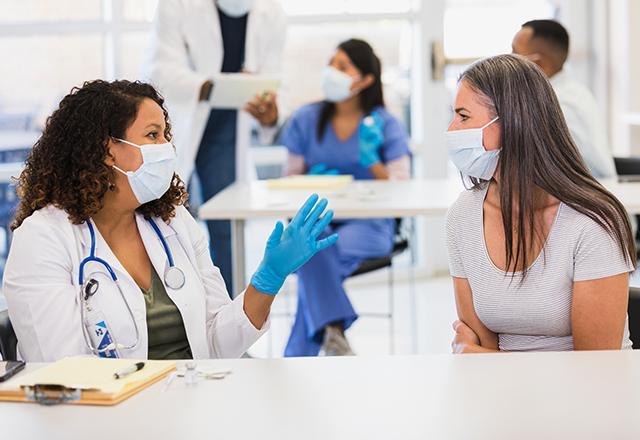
[587, 395]
[363, 199]
[359, 199]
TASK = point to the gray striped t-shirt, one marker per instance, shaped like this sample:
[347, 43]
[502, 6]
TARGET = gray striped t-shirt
[534, 315]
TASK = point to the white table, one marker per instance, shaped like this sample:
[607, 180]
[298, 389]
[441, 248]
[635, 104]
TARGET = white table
[589, 395]
[362, 199]
[627, 192]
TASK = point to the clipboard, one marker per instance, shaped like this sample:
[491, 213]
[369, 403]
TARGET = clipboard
[83, 381]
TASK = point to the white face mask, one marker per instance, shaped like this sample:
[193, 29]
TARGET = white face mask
[153, 178]
[235, 8]
[468, 154]
[336, 85]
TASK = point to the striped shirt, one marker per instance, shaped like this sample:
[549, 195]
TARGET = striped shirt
[534, 315]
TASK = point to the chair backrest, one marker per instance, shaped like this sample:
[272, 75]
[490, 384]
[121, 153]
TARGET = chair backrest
[634, 316]
[8, 339]
[627, 166]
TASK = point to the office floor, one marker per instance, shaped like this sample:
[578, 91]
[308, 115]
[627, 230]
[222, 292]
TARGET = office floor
[435, 311]
[435, 307]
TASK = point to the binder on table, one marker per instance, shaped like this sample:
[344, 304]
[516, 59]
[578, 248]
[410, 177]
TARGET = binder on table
[83, 381]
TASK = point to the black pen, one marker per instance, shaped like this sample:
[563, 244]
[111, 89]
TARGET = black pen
[132, 369]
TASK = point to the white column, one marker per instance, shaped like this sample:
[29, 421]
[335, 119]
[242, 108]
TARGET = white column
[429, 121]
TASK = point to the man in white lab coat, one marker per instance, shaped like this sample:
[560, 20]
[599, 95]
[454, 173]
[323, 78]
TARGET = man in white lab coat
[193, 40]
[546, 42]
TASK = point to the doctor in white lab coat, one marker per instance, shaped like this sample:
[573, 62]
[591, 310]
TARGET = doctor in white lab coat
[192, 41]
[95, 184]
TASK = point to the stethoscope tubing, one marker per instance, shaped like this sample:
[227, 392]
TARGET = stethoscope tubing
[85, 295]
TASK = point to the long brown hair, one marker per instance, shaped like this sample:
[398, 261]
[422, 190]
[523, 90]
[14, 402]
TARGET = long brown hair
[537, 151]
[66, 167]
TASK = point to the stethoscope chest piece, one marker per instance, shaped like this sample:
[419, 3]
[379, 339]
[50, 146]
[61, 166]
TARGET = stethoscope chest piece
[174, 277]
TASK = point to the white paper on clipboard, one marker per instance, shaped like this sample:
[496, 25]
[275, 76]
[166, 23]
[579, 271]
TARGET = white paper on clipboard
[235, 90]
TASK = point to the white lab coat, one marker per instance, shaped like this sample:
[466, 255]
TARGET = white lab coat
[41, 287]
[585, 123]
[187, 50]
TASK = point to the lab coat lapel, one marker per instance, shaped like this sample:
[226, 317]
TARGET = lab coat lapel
[190, 298]
[153, 245]
[212, 43]
[252, 40]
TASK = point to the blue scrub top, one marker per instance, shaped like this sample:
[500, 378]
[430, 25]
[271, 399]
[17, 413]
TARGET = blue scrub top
[300, 138]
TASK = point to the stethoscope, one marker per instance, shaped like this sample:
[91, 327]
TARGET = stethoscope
[173, 278]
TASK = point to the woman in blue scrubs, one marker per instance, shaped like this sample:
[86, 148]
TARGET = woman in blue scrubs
[350, 132]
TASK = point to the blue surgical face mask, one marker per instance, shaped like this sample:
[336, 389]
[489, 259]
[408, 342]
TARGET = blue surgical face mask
[468, 154]
[336, 85]
[235, 8]
[153, 178]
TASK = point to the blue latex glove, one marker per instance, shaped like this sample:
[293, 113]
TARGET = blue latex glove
[322, 170]
[288, 249]
[371, 136]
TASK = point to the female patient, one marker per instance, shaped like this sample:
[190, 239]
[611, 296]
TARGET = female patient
[539, 251]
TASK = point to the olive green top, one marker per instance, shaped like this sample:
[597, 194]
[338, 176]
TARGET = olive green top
[167, 335]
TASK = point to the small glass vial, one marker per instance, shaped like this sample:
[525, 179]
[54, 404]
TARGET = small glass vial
[190, 374]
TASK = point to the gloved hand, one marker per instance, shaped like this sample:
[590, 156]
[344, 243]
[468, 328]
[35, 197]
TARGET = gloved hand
[288, 249]
[322, 170]
[371, 136]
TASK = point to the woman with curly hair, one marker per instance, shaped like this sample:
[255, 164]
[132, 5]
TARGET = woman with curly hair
[106, 259]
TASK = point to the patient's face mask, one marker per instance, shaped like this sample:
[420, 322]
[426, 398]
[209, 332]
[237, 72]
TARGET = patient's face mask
[153, 178]
[468, 154]
[336, 85]
[235, 8]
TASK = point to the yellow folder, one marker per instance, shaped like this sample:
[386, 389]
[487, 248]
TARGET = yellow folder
[85, 380]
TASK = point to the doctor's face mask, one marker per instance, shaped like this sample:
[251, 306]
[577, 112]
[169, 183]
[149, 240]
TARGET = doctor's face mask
[235, 8]
[153, 178]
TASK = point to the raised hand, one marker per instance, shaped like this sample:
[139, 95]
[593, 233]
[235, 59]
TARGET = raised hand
[291, 247]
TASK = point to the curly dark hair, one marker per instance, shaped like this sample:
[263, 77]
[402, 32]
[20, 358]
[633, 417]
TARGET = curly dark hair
[66, 167]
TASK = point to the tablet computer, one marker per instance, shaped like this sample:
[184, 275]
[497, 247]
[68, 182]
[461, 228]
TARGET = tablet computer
[235, 90]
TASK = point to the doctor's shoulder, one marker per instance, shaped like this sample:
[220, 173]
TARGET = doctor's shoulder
[184, 224]
[47, 230]
[49, 219]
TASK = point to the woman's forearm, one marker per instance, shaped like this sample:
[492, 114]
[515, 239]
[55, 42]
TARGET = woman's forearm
[397, 169]
[379, 171]
[474, 348]
[257, 306]
[295, 165]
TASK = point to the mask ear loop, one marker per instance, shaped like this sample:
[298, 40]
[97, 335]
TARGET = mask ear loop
[119, 169]
[126, 142]
[129, 143]
[490, 122]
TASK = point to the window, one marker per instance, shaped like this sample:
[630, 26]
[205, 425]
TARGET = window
[467, 35]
